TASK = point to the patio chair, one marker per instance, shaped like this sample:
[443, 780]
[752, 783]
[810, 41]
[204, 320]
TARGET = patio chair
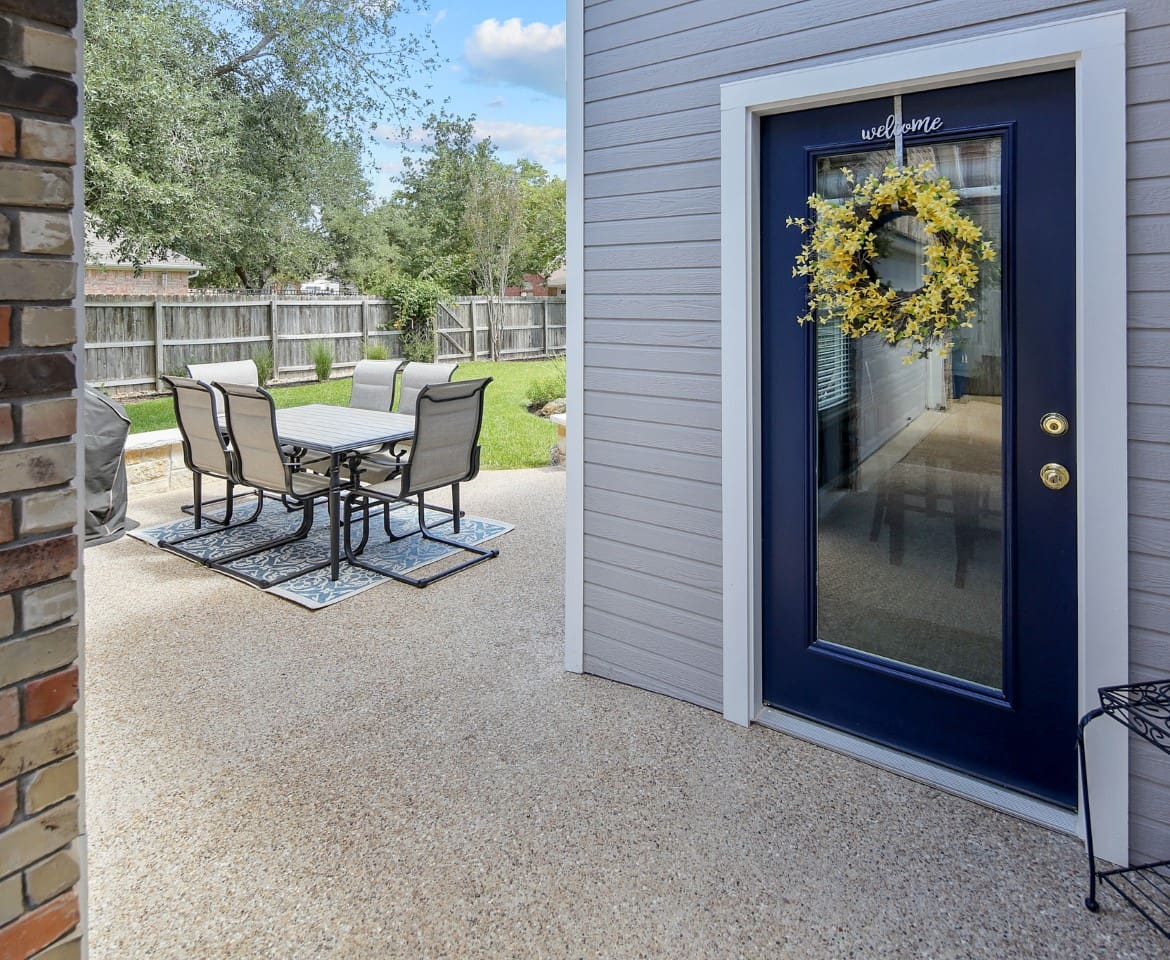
[445, 453]
[373, 384]
[416, 376]
[229, 371]
[372, 389]
[263, 464]
[206, 454]
[380, 465]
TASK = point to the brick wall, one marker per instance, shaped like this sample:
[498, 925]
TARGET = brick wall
[149, 282]
[40, 793]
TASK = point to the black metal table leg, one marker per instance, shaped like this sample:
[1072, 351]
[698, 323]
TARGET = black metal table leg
[334, 518]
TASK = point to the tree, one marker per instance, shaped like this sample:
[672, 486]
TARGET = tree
[346, 59]
[232, 130]
[433, 198]
[543, 200]
[494, 222]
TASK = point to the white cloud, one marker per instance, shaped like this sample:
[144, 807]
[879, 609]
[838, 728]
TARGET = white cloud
[440, 16]
[544, 144]
[531, 55]
[497, 102]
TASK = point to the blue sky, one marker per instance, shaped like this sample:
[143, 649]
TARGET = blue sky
[505, 64]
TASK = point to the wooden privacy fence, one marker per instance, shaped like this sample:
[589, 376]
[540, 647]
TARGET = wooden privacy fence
[529, 328]
[131, 342]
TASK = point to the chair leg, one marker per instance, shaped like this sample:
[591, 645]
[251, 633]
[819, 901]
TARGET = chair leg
[220, 526]
[302, 531]
[198, 506]
[347, 524]
[480, 554]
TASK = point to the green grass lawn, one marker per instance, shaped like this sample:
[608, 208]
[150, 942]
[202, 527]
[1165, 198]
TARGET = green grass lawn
[511, 437]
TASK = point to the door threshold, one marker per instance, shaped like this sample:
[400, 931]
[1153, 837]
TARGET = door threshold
[949, 781]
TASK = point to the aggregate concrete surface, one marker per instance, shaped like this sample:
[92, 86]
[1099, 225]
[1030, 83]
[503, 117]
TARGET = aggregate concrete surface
[411, 773]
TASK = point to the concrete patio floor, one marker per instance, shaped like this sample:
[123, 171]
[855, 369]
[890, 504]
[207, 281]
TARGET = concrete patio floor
[412, 774]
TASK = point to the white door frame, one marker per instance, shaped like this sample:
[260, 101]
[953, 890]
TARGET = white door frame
[1095, 48]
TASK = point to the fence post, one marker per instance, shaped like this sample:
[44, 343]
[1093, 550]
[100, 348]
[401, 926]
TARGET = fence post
[274, 336]
[158, 345]
[544, 323]
[474, 342]
[365, 325]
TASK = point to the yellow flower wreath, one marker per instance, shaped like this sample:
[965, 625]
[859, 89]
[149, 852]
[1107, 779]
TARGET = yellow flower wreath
[838, 259]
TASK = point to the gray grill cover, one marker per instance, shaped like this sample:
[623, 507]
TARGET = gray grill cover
[106, 429]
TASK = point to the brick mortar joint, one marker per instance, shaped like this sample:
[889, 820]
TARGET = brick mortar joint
[24, 19]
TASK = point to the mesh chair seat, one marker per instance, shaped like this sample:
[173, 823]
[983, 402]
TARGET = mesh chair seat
[308, 484]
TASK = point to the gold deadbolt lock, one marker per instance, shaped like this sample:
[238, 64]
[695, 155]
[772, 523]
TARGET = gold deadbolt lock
[1055, 476]
[1054, 424]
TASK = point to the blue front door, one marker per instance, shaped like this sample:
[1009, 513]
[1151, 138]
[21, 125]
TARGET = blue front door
[920, 581]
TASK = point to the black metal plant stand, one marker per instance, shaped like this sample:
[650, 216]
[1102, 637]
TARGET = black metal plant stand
[1145, 709]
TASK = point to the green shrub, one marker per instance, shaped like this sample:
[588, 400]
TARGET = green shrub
[375, 351]
[418, 345]
[321, 354]
[548, 388]
[265, 364]
[414, 300]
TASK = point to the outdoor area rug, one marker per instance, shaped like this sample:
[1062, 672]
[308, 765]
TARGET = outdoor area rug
[315, 590]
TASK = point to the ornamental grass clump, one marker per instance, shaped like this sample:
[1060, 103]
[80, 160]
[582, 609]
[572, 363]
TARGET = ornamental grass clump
[837, 258]
[321, 354]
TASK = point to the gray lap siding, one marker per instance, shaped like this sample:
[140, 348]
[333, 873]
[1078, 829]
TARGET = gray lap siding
[652, 411]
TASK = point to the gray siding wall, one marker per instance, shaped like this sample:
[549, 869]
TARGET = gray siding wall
[652, 413]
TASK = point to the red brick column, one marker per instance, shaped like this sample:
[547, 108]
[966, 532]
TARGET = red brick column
[40, 790]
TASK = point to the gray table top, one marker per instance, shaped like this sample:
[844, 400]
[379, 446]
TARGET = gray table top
[329, 429]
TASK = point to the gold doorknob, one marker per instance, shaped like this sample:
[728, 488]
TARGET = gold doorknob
[1054, 424]
[1055, 476]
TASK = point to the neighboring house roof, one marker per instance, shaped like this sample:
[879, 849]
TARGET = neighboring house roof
[557, 278]
[100, 252]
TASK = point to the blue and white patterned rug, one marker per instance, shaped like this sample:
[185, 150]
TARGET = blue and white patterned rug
[315, 590]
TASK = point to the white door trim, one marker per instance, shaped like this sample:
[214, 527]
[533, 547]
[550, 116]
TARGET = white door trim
[1095, 48]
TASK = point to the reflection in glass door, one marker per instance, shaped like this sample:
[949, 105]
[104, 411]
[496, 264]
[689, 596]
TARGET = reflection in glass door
[910, 518]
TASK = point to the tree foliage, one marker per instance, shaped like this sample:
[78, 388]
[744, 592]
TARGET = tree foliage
[450, 208]
[232, 130]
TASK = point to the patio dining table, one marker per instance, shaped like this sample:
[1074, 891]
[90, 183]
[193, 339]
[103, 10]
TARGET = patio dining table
[338, 432]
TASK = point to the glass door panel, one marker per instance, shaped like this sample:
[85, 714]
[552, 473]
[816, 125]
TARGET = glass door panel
[910, 519]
